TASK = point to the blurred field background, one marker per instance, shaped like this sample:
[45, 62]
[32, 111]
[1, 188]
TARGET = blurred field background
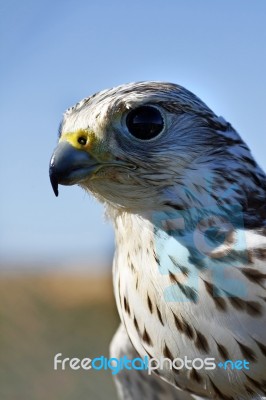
[55, 254]
[45, 314]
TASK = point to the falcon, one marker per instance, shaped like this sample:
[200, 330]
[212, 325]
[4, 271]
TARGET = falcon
[187, 202]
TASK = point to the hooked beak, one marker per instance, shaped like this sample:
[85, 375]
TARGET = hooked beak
[69, 165]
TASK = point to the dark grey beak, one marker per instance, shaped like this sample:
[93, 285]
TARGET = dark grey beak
[69, 165]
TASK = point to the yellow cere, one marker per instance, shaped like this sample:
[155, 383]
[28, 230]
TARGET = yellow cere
[81, 139]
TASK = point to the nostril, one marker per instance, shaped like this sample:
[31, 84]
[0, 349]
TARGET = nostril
[82, 140]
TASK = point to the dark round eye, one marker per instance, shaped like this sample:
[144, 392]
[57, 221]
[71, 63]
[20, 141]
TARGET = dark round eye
[145, 122]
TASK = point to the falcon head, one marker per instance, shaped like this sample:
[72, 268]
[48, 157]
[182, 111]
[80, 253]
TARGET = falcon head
[155, 145]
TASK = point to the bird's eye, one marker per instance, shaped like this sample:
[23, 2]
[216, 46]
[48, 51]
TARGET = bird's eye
[145, 122]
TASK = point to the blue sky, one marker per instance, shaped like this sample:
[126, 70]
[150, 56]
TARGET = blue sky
[54, 53]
